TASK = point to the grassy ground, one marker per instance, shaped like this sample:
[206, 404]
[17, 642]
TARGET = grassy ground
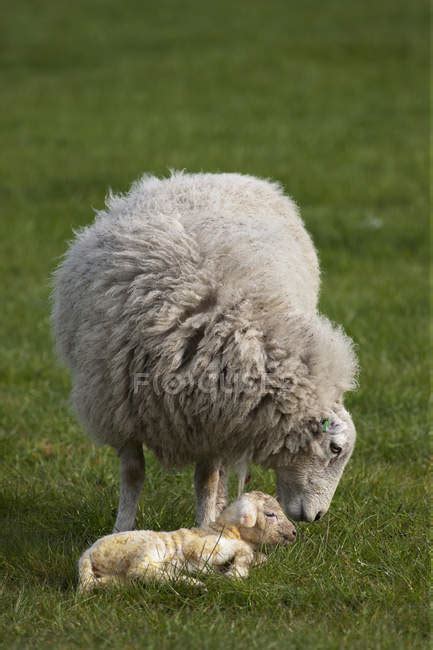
[331, 99]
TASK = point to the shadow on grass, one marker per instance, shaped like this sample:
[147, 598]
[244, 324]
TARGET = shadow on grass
[46, 536]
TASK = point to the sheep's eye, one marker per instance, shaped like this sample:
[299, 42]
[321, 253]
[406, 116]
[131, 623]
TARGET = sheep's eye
[336, 449]
[270, 514]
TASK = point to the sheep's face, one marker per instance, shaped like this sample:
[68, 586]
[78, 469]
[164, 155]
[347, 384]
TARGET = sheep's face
[260, 519]
[307, 484]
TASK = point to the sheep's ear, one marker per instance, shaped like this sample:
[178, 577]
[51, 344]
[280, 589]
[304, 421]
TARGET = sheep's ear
[332, 361]
[247, 513]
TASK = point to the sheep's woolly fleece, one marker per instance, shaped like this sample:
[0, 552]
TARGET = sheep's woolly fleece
[187, 313]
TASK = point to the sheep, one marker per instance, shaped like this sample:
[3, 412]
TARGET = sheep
[230, 544]
[187, 314]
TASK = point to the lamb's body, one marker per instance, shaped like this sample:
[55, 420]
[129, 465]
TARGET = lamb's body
[185, 283]
[230, 544]
[149, 555]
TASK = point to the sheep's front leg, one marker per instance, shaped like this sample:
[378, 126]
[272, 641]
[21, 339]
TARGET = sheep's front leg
[206, 480]
[243, 560]
[131, 481]
[221, 500]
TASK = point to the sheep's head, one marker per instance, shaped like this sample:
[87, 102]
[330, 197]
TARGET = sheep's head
[259, 519]
[307, 480]
[321, 366]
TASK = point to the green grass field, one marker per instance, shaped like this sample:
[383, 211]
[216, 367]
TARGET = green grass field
[332, 100]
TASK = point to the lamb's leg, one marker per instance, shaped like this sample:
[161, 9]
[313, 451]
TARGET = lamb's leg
[259, 558]
[154, 573]
[221, 501]
[86, 578]
[191, 582]
[243, 560]
[206, 482]
[109, 581]
[131, 481]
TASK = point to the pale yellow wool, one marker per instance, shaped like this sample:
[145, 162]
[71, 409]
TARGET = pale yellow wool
[229, 545]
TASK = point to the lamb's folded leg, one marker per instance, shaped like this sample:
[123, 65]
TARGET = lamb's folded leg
[206, 480]
[131, 481]
[87, 580]
[188, 580]
[259, 558]
[243, 560]
[153, 572]
[110, 581]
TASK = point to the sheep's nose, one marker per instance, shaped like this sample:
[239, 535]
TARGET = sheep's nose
[318, 516]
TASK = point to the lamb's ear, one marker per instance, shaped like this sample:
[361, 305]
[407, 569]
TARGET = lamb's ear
[247, 513]
[242, 512]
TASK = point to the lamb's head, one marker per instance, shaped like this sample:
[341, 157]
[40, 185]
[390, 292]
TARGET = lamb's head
[307, 480]
[259, 519]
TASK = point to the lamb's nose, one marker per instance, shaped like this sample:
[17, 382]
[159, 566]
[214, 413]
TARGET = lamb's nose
[290, 537]
[318, 516]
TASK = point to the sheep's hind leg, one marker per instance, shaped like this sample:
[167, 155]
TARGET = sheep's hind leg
[206, 480]
[131, 482]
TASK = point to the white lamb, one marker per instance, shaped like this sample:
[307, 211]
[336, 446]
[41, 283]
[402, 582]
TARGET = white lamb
[230, 543]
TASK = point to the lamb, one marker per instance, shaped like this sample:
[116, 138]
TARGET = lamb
[187, 314]
[230, 543]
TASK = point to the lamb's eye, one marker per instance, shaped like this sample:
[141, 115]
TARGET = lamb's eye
[270, 515]
[336, 449]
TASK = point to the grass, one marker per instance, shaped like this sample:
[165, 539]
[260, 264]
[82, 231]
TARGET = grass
[332, 100]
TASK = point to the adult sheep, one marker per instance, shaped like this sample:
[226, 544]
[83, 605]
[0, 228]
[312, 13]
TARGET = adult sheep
[187, 314]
